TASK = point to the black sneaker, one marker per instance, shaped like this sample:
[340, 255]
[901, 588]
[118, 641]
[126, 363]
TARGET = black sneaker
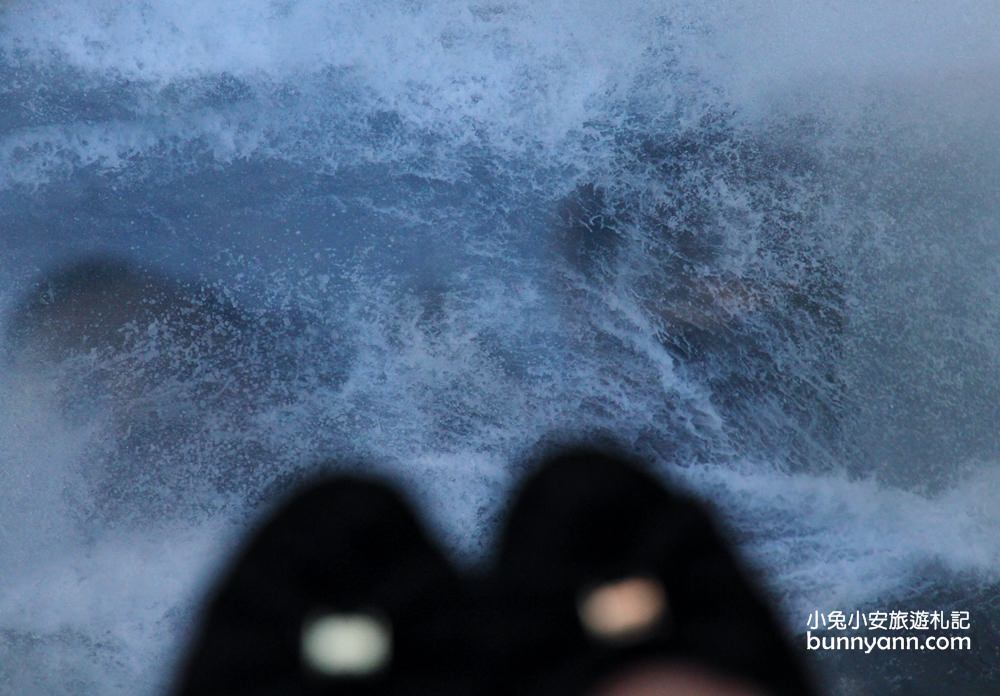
[340, 592]
[601, 567]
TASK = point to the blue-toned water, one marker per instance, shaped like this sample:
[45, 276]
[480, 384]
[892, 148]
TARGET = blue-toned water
[758, 244]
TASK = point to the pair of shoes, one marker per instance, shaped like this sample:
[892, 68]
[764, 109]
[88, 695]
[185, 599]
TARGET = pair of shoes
[599, 569]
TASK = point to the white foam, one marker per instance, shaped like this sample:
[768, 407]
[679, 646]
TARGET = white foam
[829, 541]
[517, 76]
[539, 91]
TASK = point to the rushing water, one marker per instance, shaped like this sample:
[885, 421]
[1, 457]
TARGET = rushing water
[757, 243]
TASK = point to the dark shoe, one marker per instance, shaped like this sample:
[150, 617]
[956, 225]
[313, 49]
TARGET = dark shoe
[600, 568]
[341, 592]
